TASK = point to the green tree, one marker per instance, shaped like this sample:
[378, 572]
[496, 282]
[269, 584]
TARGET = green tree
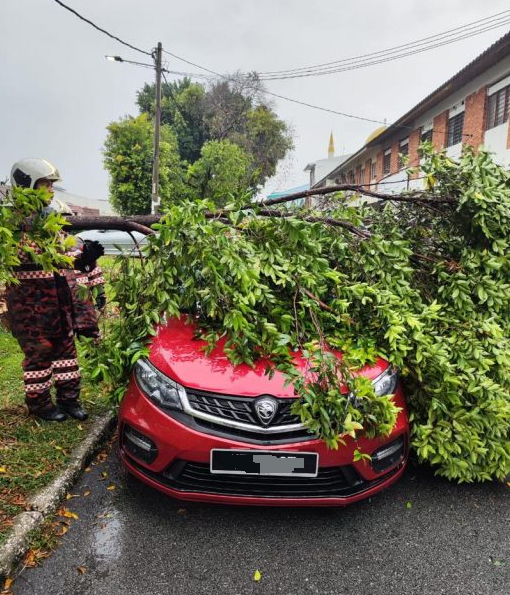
[182, 108]
[128, 158]
[233, 109]
[223, 170]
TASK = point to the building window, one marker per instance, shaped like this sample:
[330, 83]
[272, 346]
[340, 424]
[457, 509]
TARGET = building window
[373, 169]
[387, 161]
[426, 137]
[455, 126]
[350, 177]
[499, 103]
[403, 152]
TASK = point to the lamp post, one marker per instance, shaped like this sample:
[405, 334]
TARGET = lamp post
[157, 120]
[157, 126]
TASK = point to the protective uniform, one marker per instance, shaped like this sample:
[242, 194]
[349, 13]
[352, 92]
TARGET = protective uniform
[89, 276]
[42, 318]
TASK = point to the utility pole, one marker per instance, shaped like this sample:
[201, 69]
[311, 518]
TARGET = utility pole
[157, 125]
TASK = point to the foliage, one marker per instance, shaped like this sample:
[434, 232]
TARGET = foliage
[425, 285]
[222, 170]
[182, 108]
[128, 157]
[233, 109]
[24, 215]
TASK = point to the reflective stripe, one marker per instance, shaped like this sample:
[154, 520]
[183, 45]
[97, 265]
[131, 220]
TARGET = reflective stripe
[23, 275]
[36, 374]
[65, 363]
[97, 281]
[96, 271]
[35, 388]
[82, 280]
[67, 376]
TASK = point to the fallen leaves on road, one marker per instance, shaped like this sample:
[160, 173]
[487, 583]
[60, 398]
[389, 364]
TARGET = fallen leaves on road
[71, 496]
[86, 493]
[104, 475]
[81, 569]
[111, 487]
[7, 586]
[33, 557]
[102, 456]
[65, 512]
[257, 576]
[62, 531]
[409, 505]
[87, 469]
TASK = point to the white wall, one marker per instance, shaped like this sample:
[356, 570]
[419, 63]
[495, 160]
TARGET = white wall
[495, 141]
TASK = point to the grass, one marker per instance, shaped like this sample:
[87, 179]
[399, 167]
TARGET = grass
[33, 452]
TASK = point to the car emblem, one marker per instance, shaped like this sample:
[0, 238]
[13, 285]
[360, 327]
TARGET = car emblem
[266, 408]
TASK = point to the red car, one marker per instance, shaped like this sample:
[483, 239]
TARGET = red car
[198, 428]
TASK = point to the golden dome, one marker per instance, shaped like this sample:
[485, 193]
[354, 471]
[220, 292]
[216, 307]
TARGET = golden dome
[375, 133]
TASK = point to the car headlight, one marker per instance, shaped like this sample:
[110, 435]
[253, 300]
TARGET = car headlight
[386, 383]
[160, 389]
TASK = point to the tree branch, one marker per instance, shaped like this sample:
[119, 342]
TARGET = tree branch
[416, 197]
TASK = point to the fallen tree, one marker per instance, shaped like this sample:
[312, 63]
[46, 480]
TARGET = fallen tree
[421, 279]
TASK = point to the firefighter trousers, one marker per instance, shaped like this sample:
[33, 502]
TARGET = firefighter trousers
[47, 361]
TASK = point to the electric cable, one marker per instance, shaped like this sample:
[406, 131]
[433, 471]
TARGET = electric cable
[432, 38]
[366, 64]
[299, 102]
[102, 30]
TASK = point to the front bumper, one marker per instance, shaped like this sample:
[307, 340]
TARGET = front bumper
[178, 465]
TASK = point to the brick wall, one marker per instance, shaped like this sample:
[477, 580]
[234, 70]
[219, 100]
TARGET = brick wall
[379, 168]
[440, 131]
[368, 165]
[474, 118]
[358, 175]
[414, 143]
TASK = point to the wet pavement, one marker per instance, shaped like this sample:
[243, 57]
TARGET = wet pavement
[421, 536]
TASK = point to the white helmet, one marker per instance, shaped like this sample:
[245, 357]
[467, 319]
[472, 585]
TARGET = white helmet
[26, 172]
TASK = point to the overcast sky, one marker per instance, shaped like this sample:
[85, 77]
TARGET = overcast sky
[58, 93]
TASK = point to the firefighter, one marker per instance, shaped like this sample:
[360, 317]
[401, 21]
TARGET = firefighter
[40, 314]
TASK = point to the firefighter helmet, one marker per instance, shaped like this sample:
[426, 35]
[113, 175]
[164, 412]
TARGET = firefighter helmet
[27, 172]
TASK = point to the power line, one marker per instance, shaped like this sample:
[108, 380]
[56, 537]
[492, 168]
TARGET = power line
[365, 64]
[265, 92]
[299, 102]
[102, 30]
[434, 38]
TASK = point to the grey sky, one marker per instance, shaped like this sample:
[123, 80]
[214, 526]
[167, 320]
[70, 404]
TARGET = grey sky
[58, 92]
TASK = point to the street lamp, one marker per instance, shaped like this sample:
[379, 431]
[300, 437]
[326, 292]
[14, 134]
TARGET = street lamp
[157, 120]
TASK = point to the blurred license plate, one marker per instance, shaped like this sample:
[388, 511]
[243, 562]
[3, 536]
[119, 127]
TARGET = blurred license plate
[265, 462]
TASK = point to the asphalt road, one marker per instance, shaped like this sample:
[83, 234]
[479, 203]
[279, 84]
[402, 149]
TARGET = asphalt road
[423, 535]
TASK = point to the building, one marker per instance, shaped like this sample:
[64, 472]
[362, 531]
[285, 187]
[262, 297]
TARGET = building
[298, 203]
[320, 170]
[471, 108]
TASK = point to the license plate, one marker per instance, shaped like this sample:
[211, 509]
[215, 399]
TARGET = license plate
[264, 462]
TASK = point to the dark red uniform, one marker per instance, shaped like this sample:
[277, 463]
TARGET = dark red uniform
[43, 318]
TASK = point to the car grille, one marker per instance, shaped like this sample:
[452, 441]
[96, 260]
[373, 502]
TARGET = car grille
[240, 409]
[331, 482]
[282, 437]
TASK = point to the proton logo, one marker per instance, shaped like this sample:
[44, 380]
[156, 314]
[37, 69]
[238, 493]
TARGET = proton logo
[266, 408]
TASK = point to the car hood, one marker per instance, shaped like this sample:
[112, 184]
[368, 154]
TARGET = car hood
[176, 353]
